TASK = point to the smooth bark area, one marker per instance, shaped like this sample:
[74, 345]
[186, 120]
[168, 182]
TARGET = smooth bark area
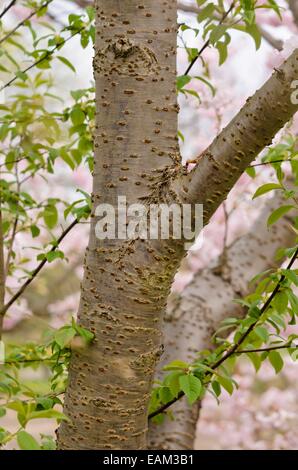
[126, 284]
[193, 317]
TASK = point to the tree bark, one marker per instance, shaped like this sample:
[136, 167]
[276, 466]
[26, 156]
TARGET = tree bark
[126, 284]
[293, 4]
[2, 272]
[193, 317]
[252, 129]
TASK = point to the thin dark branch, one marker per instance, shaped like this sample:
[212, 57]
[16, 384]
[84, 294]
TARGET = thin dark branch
[234, 348]
[268, 163]
[46, 56]
[208, 41]
[21, 23]
[11, 4]
[36, 270]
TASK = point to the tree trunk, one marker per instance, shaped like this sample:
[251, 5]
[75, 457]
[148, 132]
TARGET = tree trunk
[125, 286]
[193, 317]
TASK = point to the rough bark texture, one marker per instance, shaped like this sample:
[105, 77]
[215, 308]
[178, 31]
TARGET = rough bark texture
[126, 284]
[194, 316]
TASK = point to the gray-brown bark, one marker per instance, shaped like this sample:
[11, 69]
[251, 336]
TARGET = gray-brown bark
[253, 128]
[194, 316]
[126, 284]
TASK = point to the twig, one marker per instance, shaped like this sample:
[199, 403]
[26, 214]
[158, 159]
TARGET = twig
[14, 229]
[271, 348]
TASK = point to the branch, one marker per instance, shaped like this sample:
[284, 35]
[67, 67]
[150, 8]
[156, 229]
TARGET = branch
[232, 151]
[46, 56]
[224, 16]
[9, 6]
[14, 228]
[275, 43]
[271, 348]
[36, 271]
[2, 270]
[194, 316]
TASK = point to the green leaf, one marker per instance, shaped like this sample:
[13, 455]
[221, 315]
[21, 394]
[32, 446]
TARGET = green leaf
[255, 359]
[276, 361]
[182, 80]
[206, 12]
[226, 383]
[280, 302]
[223, 51]
[278, 213]
[217, 33]
[87, 335]
[77, 116]
[216, 387]
[266, 188]
[262, 333]
[2, 412]
[52, 255]
[26, 441]
[48, 443]
[254, 32]
[165, 394]
[174, 365]
[35, 231]
[191, 386]
[67, 63]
